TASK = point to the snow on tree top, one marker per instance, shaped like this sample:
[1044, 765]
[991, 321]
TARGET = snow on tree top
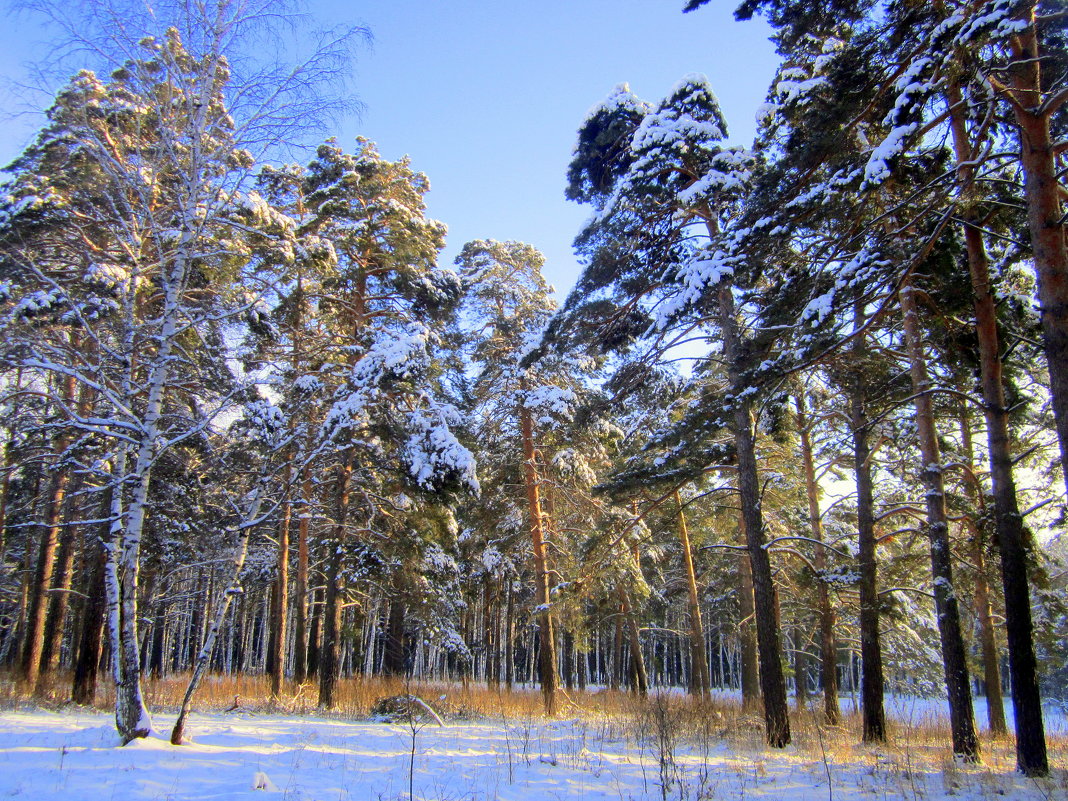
[620, 98]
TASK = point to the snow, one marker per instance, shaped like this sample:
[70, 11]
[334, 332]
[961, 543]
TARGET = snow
[620, 98]
[877, 169]
[433, 452]
[75, 756]
[550, 403]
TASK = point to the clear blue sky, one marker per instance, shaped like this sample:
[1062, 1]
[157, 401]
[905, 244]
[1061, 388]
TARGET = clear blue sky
[486, 97]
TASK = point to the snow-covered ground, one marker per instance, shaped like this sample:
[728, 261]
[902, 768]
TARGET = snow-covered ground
[72, 756]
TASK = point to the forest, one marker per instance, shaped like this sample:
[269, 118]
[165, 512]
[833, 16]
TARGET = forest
[799, 429]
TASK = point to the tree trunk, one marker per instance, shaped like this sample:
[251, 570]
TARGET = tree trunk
[769, 648]
[393, 662]
[700, 683]
[569, 660]
[315, 637]
[801, 660]
[300, 635]
[954, 658]
[509, 636]
[330, 650]
[59, 602]
[995, 706]
[1031, 756]
[871, 655]
[546, 641]
[828, 642]
[276, 657]
[492, 596]
[1049, 249]
[200, 666]
[8, 463]
[615, 679]
[132, 720]
[640, 684]
[86, 668]
[34, 639]
[747, 652]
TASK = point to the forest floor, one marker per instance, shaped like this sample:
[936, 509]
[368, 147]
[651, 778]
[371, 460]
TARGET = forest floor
[666, 748]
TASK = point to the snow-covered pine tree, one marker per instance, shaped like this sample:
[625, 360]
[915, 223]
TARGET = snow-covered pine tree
[386, 428]
[939, 65]
[518, 399]
[665, 190]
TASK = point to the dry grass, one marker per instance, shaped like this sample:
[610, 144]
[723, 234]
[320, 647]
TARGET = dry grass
[917, 745]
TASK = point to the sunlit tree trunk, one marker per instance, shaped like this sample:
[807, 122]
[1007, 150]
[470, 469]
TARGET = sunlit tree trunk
[546, 640]
[300, 588]
[700, 683]
[1031, 756]
[828, 642]
[34, 639]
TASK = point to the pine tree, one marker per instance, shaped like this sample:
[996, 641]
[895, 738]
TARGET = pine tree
[658, 186]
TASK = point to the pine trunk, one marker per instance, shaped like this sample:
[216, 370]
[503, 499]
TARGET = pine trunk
[954, 655]
[828, 642]
[769, 648]
[59, 600]
[300, 589]
[1031, 756]
[640, 683]
[871, 654]
[34, 639]
[700, 683]
[750, 678]
[393, 661]
[546, 641]
[330, 650]
[276, 658]
[1049, 249]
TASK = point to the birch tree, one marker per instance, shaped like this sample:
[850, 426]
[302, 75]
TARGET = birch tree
[157, 234]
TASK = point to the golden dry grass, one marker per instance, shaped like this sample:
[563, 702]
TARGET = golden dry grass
[917, 743]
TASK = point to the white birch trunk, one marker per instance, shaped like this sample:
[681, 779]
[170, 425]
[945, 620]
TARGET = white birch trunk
[204, 656]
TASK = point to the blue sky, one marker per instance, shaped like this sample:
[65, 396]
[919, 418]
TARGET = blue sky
[486, 97]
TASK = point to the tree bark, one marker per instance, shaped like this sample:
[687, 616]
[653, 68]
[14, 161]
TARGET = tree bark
[276, 657]
[300, 589]
[132, 720]
[769, 648]
[59, 600]
[330, 650]
[1031, 757]
[393, 661]
[750, 678]
[1049, 248]
[828, 642]
[546, 641]
[700, 683]
[640, 684]
[954, 658]
[871, 655]
[34, 640]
